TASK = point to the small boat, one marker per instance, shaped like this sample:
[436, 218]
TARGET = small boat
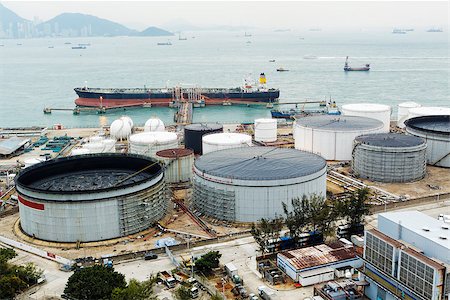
[168, 43]
[435, 30]
[79, 47]
[348, 68]
[249, 42]
[67, 43]
[282, 70]
[309, 57]
[272, 60]
[85, 44]
[398, 31]
[19, 44]
[180, 38]
[51, 47]
[247, 34]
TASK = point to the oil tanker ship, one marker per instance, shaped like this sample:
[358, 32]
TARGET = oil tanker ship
[128, 97]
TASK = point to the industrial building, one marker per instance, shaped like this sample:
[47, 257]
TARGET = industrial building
[389, 157]
[376, 111]
[316, 264]
[332, 136]
[407, 257]
[436, 131]
[194, 133]
[91, 197]
[247, 184]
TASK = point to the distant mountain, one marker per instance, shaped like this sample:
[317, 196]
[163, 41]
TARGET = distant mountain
[155, 31]
[84, 25]
[9, 21]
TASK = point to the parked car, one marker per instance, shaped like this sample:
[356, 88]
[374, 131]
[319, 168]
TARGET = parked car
[150, 255]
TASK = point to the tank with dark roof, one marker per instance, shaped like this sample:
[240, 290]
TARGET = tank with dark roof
[194, 133]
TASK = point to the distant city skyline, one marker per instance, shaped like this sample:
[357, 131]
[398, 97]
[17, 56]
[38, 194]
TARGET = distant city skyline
[328, 15]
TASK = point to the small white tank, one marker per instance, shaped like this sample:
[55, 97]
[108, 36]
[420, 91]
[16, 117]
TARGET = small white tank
[148, 143]
[154, 124]
[227, 140]
[403, 112]
[95, 139]
[428, 111]
[97, 147]
[129, 120]
[28, 162]
[265, 130]
[120, 129]
[79, 151]
[370, 110]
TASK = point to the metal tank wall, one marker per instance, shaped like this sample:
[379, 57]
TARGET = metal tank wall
[194, 133]
[178, 164]
[266, 130]
[249, 201]
[387, 164]
[403, 112]
[330, 144]
[370, 110]
[72, 217]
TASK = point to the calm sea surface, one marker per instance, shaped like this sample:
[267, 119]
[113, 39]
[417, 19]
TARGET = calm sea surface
[409, 67]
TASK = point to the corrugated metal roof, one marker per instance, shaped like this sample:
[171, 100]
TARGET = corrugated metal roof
[391, 140]
[260, 163]
[314, 256]
[341, 123]
[435, 124]
[12, 144]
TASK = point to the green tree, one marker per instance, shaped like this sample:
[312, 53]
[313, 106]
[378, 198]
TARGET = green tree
[216, 296]
[182, 293]
[95, 282]
[135, 290]
[207, 262]
[10, 285]
[354, 208]
[266, 230]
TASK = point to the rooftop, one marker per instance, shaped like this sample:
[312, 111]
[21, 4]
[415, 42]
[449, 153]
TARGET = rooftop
[421, 224]
[320, 255]
[341, 123]
[12, 144]
[391, 140]
[260, 163]
[436, 124]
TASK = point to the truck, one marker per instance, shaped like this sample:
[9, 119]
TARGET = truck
[194, 292]
[168, 279]
[231, 269]
[265, 293]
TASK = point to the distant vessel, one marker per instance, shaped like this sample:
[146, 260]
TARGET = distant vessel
[325, 108]
[51, 47]
[249, 42]
[180, 38]
[315, 29]
[127, 97]
[79, 47]
[67, 43]
[282, 70]
[247, 34]
[84, 44]
[398, 31]
[272, 60]
[19, 44]
[282, 30]
[168, 43]
[434, 29]
[309, 57]
[348, 68]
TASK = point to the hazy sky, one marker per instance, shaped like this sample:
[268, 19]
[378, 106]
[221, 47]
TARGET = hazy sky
[270, 14]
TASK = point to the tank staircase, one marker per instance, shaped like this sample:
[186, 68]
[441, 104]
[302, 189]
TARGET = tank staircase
[195, 218]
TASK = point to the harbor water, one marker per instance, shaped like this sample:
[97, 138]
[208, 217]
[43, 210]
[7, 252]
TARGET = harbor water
[409, 67]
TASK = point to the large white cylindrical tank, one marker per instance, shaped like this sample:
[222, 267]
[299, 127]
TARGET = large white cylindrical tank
[247, 184]
[428, 111]
[120, 129]
[403, 112]
[226, 140]
[79, 151]
[332, 136]
[370, 110]
[148, 143]
[178, 164]
[154, 124]
[97, 147]
[265, 130]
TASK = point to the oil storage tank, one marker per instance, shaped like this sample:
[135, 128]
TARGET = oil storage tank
[148, 143]
[91, 197]
[154, 124]
[403, 112]
[178, 164]
[194, 133]
[265, 130]
[428, 111]
[226, 140]
[389, 157]
[247, 184]
[332, 136]
[370, 110]
[436, 131]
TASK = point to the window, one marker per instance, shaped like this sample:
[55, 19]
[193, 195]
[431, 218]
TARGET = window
[379, 253]
[416, 275]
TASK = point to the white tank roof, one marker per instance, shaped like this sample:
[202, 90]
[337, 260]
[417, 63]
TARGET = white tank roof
[128, 119]
[265, 120]
[154, 124]
[80, 151]
[120, 129]
[409, 104]
[158, 137]
[429, 111]
[227, 138]
[366, 107]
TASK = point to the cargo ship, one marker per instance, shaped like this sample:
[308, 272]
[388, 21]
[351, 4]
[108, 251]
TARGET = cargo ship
[249, 93]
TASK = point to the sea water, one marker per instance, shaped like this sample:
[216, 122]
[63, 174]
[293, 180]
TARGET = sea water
[408, 67]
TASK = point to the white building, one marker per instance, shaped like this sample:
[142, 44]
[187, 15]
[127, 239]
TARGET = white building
[408, 257]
